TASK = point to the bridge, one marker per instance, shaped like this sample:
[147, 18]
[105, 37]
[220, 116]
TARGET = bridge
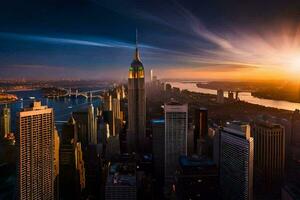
[75, 93]
[86, 94]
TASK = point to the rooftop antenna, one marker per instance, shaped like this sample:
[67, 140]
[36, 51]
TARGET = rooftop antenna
[136, 55]
[136, 38]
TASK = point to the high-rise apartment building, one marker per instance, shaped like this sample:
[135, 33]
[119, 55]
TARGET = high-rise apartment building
[35, 143]
[176, 128]
[5, 122]
[269, 152]
[236, 161]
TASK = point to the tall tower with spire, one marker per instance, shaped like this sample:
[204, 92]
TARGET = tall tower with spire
[136, 104]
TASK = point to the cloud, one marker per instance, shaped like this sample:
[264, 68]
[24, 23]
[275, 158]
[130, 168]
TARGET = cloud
[93, 42]
[274, 46]
[178, 38]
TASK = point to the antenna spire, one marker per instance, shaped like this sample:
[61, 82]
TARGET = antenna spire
[136, 38]
[136, 54]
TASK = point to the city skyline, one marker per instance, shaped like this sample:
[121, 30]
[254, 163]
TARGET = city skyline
[140, 99]
[149, 140]
[90, 39]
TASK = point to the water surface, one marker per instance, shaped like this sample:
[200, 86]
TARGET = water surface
[244, 96]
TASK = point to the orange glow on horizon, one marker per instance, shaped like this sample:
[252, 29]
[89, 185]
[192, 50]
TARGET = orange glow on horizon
[266, 53]
[228, 74]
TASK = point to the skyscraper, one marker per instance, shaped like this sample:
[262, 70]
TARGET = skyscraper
[107, 102]
[116, 108]
[220, 96]
[86, 126]
[158, 146]
[81, 118]
[56, 152]
[200, 130]
[56, 163]
[109, 118]
[151, 75]
[295, 126]
[176, 128]
[269, 153]
[35, 143]
[92, 128]
[72, 170]
[136, 104]
[236, 162]
[5, 122]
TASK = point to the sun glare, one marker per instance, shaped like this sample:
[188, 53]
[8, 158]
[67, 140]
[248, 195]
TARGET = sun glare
[294, 64]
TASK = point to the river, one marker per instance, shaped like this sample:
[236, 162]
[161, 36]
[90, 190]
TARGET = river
[244, 96]
[65, 106]
[62, 107]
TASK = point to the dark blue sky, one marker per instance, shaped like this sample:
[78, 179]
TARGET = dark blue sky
[94, 39]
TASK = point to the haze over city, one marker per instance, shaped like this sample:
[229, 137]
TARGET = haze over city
[93, 39]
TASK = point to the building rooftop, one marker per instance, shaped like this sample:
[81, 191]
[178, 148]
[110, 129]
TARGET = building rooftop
[267, 124]
[238, 128]
[174, 103]
[197, 166]
[36, 105]
[122, 174]
[158, 121]
[185, 161]
[202, 109]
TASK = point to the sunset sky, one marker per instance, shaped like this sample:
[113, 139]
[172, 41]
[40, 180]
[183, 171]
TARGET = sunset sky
[94, 39]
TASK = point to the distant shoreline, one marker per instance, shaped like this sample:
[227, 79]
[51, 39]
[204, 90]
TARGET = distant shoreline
[266, 92]
[22, 90]
[7, 98]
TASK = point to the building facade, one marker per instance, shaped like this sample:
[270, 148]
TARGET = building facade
[72, 170]
[236, 163]
[198, 178]
[86, 126]
[158, 146]
[176, 128]
[92, 125]
[35, 144]
[121, 183]
[220, 96]
[295, 129]
[269, 152]
[56, 163]
[5, 122]
[200, 130]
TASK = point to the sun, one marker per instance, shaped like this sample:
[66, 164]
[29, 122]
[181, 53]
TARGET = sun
[293, 64]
